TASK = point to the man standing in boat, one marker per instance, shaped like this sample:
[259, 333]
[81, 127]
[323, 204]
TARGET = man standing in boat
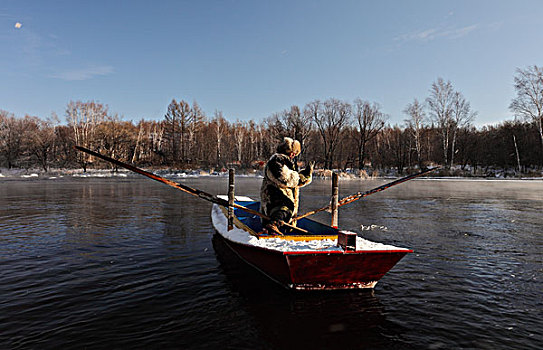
[279, 194]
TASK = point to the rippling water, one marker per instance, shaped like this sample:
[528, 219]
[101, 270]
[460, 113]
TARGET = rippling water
[130, 263]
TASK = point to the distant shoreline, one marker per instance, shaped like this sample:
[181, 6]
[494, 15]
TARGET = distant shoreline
[24, 174]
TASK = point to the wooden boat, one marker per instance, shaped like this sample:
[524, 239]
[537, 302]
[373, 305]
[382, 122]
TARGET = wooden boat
[324, 259]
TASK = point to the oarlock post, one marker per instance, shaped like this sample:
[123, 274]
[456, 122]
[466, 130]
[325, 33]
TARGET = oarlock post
[335, 199]
[231, 198]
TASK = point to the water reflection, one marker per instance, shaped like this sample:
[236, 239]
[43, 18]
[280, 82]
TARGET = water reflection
[320, 320]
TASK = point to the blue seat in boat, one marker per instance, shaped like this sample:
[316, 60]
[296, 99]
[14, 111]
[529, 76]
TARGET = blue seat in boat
[254, 221]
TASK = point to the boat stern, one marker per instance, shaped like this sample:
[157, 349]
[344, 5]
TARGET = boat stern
[340, 270]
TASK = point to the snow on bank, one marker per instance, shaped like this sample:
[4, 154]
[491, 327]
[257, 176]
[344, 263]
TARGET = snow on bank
[108, 173]
[100, 175]
[238, 235]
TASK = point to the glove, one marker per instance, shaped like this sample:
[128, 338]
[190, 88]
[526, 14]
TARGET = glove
[308, 170]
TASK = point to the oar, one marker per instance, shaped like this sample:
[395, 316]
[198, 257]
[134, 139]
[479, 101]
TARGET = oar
[193, 191]
[357, 196]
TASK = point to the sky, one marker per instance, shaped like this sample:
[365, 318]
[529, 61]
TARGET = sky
[250, 59]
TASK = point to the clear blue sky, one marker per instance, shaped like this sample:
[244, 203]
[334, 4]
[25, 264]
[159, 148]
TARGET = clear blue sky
[250, 59]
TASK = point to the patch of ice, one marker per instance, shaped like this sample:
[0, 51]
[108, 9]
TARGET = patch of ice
[373, 227]
[31, 175]
[101, 175]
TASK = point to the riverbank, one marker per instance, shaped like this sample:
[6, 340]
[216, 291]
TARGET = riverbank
[349, 174]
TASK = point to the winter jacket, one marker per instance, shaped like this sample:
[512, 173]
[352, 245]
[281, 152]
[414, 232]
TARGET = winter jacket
[280, 187]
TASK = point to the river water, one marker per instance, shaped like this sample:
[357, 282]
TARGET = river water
[131, 263]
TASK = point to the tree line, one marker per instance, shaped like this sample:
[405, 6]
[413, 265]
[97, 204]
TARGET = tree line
[337, 134]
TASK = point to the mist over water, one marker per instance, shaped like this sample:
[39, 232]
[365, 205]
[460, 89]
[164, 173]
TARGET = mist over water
[130, 263]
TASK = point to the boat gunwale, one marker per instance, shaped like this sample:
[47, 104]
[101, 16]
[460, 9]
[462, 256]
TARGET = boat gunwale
[316, 251]
[343, 252]
[244, 227]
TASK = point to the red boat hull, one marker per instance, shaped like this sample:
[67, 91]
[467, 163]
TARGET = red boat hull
[313, 270]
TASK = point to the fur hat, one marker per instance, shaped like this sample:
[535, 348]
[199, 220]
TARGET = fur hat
[288, 146]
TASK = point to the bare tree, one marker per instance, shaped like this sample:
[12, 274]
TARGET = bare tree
[172, 132]
[185, 113]
[239, 130]
[220, 128]
[369, 121]
[415, 122]
[462, 116]
[275, 127]
[528, 103]
[252, 139]
[195, 123]
[290, 123]
[42, 139]
[138, 148]
[298, 124]
[441, 105]
[154, 142]
[395, 147]
[117, 138]
[84, 117]
[177, 123]
[148, 142]
[517, 154]
[11, 138]
[330, 117]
